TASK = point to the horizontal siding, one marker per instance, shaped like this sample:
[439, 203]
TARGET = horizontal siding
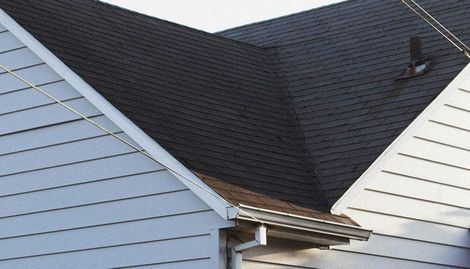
[420, 169]
[249, 264]
[77, 173]
[9, 42]
[438, 152]
[445, 133]
[161, 251]
[200, 263]
[73, 196]
[62, 154]
[453, 116]
[287, 256]
[96, 192]
[413, 208]
[409, 249]
[30, 98]
[45, 115]
[412, 228]
[421, 189]
[462, 99]
[19, 58]
[38, 75]
[100, 214]
[417, 203]
[183, 225]
[53, 135]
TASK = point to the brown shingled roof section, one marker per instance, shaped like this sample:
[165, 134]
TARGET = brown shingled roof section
[238, 195]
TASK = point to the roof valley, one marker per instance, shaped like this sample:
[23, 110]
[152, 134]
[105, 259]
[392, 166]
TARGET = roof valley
[309, 160]
[284, 114]
[341, 63]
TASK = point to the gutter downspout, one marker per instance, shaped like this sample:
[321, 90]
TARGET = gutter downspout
[260, 240]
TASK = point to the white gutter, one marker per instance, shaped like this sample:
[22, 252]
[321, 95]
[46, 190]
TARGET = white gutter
[291, 227]
[237, 251]
[301, 223]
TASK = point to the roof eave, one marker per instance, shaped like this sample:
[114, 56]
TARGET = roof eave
[289, 226]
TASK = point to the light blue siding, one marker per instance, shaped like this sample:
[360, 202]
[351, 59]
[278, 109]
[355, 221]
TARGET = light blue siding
[73, 196]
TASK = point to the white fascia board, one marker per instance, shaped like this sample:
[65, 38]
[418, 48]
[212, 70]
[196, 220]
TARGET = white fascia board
[301, 223]
[463, 78]
[209, 196]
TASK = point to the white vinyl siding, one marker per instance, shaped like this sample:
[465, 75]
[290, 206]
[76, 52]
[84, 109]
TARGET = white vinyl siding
[417, 203]
[72, 196]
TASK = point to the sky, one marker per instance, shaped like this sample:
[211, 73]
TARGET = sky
[216, 15]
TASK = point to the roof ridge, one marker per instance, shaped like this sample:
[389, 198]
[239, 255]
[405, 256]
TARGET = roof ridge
[280, 18]
[210, 35]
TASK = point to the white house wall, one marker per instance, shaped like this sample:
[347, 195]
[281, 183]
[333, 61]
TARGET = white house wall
[416, 199]
[72, 196]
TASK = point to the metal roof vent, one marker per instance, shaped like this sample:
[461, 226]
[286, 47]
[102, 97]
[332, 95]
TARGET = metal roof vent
[418, 65]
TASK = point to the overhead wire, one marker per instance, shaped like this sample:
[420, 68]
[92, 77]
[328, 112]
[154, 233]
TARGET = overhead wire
[438, 23]
[145, 153]
[465, 52]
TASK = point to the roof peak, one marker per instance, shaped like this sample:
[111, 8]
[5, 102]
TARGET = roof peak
[287, 16]
[171, 23]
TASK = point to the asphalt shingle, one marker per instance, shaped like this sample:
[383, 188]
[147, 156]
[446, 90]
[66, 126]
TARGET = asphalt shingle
[216, 104]
[284, 114]
[340, 63]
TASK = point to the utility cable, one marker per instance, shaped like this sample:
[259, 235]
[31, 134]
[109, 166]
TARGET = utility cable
[465, 52]
[71, 109]
[438, 23]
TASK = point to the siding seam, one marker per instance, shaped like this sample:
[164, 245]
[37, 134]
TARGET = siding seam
[440, 143]
[39, 106]
[449, 125]
[432, 161]
[402, 259]
[24, 67]
[420, 240]
[59, 144]
[107, 224]
[66, 164]
[83, 183]
[280, 264]
[160, 263]
[48, 126]
[95, 203]
[11, 50]
[28, 88]
[409, 218]
[425, 180]
[104, 247]
[416, 198]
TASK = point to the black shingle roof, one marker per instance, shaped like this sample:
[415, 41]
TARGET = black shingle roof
[286, 122]
[216, 104]
[340, 64]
